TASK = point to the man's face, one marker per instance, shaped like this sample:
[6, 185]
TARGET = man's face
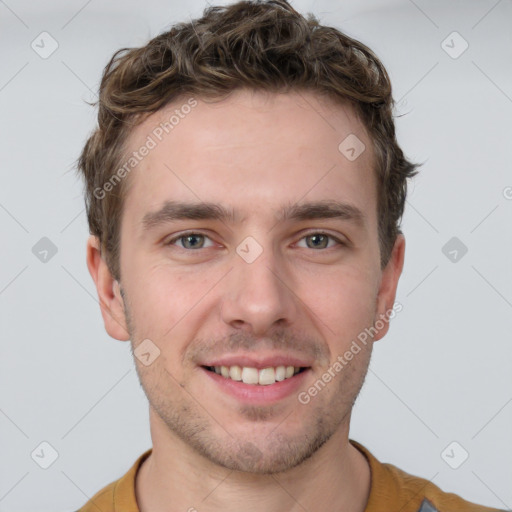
[274, 286]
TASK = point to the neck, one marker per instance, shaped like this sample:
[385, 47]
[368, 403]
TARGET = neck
[175, 477]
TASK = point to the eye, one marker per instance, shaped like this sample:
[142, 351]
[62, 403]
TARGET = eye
[194, 240]
[190, 240]
[319, 240]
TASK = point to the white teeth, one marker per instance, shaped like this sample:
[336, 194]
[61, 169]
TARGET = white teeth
[235, 372]
[280, 373]
[267, 376]
[263, 377]
[250, 375]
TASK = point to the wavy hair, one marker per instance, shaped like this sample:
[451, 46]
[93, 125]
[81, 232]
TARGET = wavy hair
[260, 45]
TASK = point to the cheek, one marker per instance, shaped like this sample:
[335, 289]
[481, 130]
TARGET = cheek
[165, 300]
[344, 301]
[171, 303]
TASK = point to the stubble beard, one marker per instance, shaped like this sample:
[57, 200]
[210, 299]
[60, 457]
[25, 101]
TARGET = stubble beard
[187, 419]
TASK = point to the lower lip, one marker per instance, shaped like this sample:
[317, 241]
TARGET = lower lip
[257, 394]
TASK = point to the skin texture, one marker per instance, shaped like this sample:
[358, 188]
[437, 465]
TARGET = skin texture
[256, 153]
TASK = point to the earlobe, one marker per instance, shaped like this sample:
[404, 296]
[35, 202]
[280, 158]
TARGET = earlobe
[110, 299]
[388, 285]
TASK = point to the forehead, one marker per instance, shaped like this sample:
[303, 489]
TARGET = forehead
[252, 152]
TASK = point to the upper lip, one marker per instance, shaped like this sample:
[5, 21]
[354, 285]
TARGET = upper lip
[258, 361]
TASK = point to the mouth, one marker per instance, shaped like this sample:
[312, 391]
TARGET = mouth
[257, 377]
[264, 386]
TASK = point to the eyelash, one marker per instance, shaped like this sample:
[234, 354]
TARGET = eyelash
[311, 233]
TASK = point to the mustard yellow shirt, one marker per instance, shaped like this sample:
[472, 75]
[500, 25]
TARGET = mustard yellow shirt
[391, 490]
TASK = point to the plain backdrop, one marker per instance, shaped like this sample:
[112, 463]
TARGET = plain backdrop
[441, 375]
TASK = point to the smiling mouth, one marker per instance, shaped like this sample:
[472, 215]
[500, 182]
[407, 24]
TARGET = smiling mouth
[255, 376]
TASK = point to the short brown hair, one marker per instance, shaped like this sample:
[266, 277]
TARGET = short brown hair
[260, 45]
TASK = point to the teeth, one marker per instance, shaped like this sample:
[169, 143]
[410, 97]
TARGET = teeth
[235, 372]
[280, 373]
[267, 376]
[249, 375]
[263, 377]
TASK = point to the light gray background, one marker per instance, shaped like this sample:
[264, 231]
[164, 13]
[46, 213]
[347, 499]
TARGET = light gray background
[442, 374]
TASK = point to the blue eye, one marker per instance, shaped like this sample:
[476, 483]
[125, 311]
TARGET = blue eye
[319, 240]
[190, 240]
[194, 241]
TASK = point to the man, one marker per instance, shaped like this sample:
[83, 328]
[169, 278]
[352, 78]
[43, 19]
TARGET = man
[244, 190]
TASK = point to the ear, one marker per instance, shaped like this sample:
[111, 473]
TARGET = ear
[388, 286]
[109, 294]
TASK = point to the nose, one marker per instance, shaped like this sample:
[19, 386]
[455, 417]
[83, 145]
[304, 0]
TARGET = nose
[259, 296]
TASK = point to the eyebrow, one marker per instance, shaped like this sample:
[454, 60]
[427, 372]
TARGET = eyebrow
[178, 210]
